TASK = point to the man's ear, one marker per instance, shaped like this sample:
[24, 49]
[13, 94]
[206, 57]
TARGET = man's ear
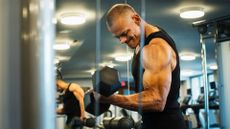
[136, 18]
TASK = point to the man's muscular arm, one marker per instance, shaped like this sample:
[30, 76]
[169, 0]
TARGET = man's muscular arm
[79, 94]
[158, 61]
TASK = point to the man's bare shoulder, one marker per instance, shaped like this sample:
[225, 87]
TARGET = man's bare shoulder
[75, 87]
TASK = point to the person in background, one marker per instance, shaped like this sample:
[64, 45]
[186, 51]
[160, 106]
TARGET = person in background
[73, 101]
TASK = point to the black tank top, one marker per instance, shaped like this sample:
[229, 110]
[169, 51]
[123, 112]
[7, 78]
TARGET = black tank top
[171, 117]
[71, 105]
[175, 84]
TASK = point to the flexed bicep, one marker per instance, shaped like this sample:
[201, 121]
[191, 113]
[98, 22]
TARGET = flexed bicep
[157, 59]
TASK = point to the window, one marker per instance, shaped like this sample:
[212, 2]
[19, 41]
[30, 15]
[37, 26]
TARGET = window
[195, 86]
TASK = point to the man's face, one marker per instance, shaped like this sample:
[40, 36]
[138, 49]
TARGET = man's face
[59, 89]
[126, 30]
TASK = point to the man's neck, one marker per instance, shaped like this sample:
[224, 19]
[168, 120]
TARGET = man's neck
[65, 86]
[150, 29]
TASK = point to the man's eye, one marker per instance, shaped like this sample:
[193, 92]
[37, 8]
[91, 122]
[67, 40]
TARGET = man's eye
[124, 33]
[117, 37]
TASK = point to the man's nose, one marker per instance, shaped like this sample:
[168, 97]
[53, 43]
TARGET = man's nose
[123, 39]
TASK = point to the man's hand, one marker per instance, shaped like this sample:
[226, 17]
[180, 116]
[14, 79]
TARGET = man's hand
[96, 95]
[101, 98]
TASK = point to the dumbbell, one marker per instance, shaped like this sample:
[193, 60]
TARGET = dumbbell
[106, 82]
[77, 122]
[91, 103]
[121, 123]
[118, 123]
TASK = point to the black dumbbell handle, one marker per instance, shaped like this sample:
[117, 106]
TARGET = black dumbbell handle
[89, 122]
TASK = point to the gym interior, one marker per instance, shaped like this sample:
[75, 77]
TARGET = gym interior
[38, 45]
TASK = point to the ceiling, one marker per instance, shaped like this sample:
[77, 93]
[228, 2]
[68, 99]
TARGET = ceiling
[92, 43]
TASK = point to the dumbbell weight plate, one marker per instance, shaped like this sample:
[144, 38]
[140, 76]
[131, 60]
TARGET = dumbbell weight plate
[90, 105]
[106, 81]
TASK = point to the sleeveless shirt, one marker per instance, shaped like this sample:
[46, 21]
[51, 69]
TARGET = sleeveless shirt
[71, 105]
[171, 117]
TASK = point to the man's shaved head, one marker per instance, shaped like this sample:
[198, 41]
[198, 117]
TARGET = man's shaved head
[118, 10]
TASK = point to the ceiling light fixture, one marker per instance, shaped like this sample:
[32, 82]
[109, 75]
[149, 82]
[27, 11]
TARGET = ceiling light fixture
[91, 71]
[187, 73]
[123, 58]
[109, 64]
[61, 46]
[65, 31]
[192, 12]
[213, 67]
[63, 58]
[187, 56]
[73, 18]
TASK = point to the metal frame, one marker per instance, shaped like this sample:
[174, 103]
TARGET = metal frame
[219, 36]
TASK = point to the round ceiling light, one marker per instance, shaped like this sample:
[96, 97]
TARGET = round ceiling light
[61, 46]
[72, 18]
[213, 66]
[187, 56]
[123, 58]
[192, 12]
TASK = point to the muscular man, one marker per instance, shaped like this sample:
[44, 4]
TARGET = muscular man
[158, 84]
[73, 101]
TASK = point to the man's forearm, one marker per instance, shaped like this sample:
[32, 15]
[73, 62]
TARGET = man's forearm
[135, 102]
[124, 102]
[82, 108]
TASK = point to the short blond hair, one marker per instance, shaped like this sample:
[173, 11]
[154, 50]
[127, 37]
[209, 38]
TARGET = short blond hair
[118, 10]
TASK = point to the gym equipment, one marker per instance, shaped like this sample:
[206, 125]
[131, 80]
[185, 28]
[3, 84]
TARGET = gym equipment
[106, 81]
[221, 38]
[186, 100]
[118, 123]
[77, 122]
[90, 104]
